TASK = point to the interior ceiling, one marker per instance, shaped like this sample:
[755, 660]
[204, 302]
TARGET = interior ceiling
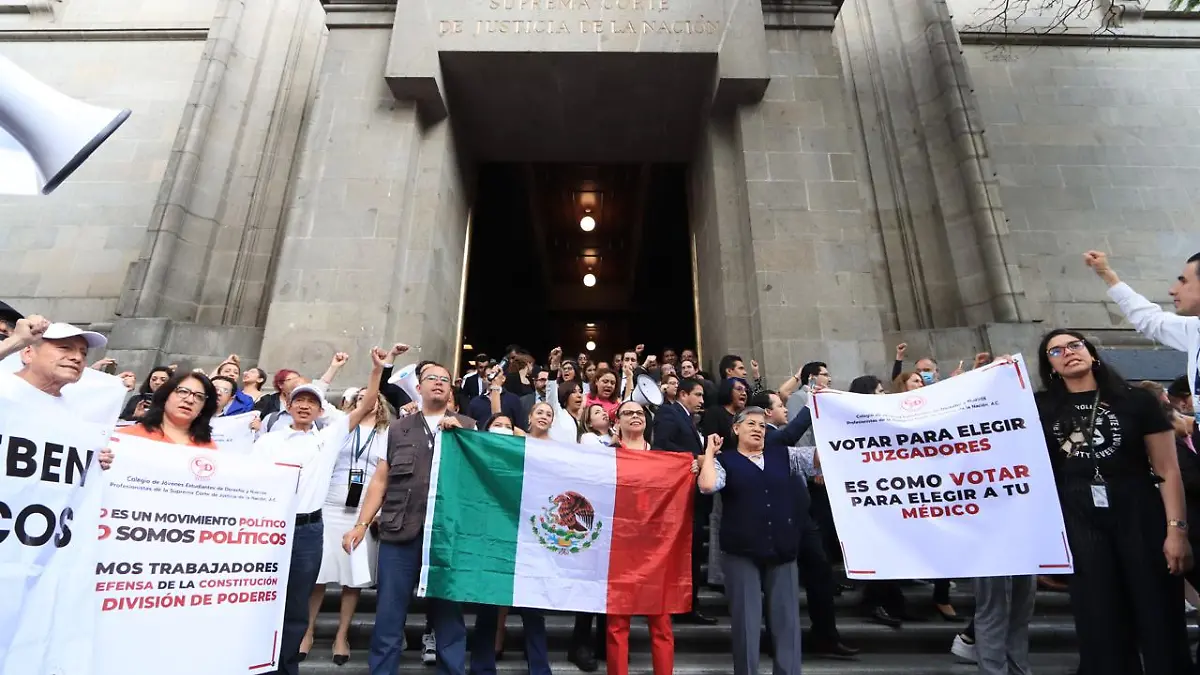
[615, 197]
[529, 256]
[578, 107]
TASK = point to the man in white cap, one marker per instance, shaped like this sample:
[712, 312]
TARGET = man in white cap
[53, 355]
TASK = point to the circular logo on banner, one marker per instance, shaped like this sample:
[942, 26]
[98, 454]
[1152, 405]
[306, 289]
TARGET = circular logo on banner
[912, 403]
[203, 467]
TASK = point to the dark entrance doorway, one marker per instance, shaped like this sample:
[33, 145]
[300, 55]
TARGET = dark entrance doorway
[529, 257]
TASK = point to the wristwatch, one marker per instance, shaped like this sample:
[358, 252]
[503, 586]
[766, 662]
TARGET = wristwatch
[1178, 524]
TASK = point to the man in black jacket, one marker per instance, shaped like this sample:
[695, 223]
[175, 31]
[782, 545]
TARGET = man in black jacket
[675, 430]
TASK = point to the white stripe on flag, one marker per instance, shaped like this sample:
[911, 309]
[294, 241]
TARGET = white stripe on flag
[547, 576]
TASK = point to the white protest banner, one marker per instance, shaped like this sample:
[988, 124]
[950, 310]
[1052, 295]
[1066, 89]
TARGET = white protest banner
[951, 480]
[96, 398]
[192, 538]
[48, 521]
[233, 434]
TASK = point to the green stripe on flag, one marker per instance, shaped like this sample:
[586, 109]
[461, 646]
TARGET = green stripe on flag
[476, 511]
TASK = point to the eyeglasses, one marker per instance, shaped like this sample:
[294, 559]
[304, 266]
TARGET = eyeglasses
[222, 391]
[1057, 352]
[188, 395]
[633, 413]
[436, 378]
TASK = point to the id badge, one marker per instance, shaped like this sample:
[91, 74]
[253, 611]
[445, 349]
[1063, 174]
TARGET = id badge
[1100, 496]
[354, 493]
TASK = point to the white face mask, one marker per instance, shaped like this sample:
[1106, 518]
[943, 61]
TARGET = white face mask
[501, 430]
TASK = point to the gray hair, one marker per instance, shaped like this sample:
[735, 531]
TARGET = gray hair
[749, 410]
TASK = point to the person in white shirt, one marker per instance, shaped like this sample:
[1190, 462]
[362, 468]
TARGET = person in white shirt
[1180, 330]
[315, 452]
[53, 356]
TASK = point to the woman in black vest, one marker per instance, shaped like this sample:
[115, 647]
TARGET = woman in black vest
[759, 539]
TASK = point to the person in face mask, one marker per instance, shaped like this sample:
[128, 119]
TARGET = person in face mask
[927, 368]
[502, 424]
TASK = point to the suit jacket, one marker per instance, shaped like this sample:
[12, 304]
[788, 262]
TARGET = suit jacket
[796, 429]
[410, 462]
[527, 402]
[480, 409]
[471, 385]
[674, 431]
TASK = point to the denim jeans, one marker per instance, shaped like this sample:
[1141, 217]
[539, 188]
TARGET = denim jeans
[483, 642]
[399, 569]
[307, 543]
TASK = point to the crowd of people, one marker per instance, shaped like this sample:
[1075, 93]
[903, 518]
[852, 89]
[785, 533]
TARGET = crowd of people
[1124, 460]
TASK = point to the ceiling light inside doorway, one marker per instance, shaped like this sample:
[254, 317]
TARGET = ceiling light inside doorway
[591, 345]
[589, 280]
[467, 348]
[591, 325]
[587, 223]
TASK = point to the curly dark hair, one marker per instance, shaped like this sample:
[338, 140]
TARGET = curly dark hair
[200, 429]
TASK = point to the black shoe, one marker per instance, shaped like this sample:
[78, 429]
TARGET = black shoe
[340, 659]
[833, 650]
[698, 619]
[583, 659]
[881, 616]
[300, 656]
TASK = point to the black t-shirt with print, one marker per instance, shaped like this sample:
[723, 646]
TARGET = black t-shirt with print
[1119, 440]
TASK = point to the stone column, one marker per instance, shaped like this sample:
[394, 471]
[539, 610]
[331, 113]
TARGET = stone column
[375, 224]
[933, 191]
[195, 291]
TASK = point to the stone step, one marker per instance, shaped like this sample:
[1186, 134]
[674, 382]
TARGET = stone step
[919, 599]
[1047, 634]
[319, 663]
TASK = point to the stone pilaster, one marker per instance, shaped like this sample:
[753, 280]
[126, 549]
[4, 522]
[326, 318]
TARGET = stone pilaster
[211, 244]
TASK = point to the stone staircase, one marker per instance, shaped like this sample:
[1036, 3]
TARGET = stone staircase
[919, 648]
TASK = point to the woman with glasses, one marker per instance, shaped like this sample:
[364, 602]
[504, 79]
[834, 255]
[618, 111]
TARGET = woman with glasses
[759, 538]
[180, 412]
[631, 435]
[230, 401]
[1113, 455]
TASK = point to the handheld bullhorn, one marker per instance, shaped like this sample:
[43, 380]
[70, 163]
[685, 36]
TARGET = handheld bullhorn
[45, 135]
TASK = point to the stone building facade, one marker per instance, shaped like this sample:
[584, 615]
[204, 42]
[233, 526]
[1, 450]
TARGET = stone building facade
[297, 176]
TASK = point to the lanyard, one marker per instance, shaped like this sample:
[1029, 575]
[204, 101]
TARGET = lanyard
[359, 449]
[429, 433]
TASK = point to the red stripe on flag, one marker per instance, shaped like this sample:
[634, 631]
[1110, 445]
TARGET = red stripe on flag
[650, 562]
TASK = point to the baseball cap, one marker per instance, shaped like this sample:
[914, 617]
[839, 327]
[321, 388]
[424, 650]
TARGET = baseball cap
[306, 389]
[62, 331]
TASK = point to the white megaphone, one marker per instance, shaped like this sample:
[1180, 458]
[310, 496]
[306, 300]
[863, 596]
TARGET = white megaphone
[45, 134]
[406, 379]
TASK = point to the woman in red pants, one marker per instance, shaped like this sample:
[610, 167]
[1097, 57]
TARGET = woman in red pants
[630, 435]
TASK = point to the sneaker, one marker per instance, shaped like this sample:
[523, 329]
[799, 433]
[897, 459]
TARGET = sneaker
[1189, 609]
[964, 648]
[428, 649]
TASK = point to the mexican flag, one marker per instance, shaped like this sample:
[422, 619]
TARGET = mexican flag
[519, 522]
